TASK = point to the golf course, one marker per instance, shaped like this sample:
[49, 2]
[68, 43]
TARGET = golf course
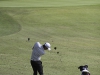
[72, 26]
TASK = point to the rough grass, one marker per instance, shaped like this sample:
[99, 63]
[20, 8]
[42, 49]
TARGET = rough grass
[75, 31]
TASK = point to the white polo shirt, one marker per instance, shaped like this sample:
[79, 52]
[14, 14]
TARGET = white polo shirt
[37, 52]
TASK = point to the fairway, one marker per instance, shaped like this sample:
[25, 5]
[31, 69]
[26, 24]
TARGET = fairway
[8, 25]
[73, 26]
[46, 3]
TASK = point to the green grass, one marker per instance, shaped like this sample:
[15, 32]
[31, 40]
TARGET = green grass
[8, 25]
[74, 30]
[46, 3]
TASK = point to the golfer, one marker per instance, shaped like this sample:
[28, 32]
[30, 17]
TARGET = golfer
[38, 51]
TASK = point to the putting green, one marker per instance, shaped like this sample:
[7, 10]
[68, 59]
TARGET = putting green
[46, 3]
[8, 25]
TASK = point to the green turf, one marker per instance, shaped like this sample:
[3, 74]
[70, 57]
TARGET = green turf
[46, 3]
[74, 30]
[8, 25]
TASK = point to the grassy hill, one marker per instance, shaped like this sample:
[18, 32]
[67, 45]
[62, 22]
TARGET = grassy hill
[73, 29]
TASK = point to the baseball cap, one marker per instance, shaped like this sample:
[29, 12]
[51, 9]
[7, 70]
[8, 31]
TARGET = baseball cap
[48, 45]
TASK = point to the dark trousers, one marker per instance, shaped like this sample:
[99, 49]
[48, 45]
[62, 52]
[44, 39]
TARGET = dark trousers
[37, 67]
